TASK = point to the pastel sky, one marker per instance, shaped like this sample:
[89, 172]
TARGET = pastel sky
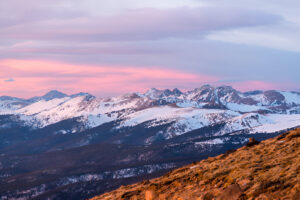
[111, 47]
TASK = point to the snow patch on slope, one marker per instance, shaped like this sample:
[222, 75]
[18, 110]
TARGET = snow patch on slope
[44, 113]
[242, 107]
[278, 122]
[243, 122]
[186, 119]
[291, 97]
[97, 120]
[42, 105]
[210, 142]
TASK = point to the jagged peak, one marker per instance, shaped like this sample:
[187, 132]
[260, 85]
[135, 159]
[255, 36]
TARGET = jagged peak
[167, 92]
[177, 91]
[207, 86]
[54, 91]
[225, 87]
[153, 93]
[203, 87]
[254, 92]
[8, 98]
[53, 94]
[131, 95]
[80, 94]
[151, 90]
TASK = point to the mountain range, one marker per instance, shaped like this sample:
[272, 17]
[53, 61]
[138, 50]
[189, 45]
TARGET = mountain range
[256, 111]
[82, 145]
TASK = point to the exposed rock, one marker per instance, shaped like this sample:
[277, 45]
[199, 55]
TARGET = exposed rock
[150, 195]
[233, 192]
[252, 142]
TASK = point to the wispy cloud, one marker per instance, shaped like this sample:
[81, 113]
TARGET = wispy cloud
[252, 41]
[141, 24]
[35, 76]
[38, 76]
[9, 80]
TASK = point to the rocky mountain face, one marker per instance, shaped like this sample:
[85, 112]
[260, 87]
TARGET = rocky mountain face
[82, 145]
[259, 170]
[255, 111]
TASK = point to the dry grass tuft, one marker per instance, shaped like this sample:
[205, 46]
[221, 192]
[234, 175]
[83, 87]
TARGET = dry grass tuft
[258, 171]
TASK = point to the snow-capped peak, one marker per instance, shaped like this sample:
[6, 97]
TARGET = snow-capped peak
[80, 94]
[53, 94]
[188, 110]
[153, 93]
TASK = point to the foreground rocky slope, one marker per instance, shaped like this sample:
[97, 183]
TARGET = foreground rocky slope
[265, 170]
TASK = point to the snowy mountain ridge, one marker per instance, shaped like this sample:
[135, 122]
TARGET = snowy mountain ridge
[83, 143]
[257, 111]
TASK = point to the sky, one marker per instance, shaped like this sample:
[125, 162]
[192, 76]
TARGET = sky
[111, 47]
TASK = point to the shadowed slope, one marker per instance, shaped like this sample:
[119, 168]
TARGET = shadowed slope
[266, 170]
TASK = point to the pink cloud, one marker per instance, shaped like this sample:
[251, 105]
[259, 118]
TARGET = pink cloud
[35, 77]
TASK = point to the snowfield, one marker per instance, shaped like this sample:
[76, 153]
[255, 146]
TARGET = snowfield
[278, 122]
[258, 112]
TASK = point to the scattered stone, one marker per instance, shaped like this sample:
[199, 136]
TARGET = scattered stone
[150, 195]
[232, 192]
[252, 142]
[207, 196]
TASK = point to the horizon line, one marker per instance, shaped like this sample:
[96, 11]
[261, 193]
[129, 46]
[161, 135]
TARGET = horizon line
[139, 92]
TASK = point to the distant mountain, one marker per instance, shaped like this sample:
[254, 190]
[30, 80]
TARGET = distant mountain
[179, 112]
[54, 94]
[155, 93]
[10, 104]
[269, 170]
[207, 105]
[83, 143]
